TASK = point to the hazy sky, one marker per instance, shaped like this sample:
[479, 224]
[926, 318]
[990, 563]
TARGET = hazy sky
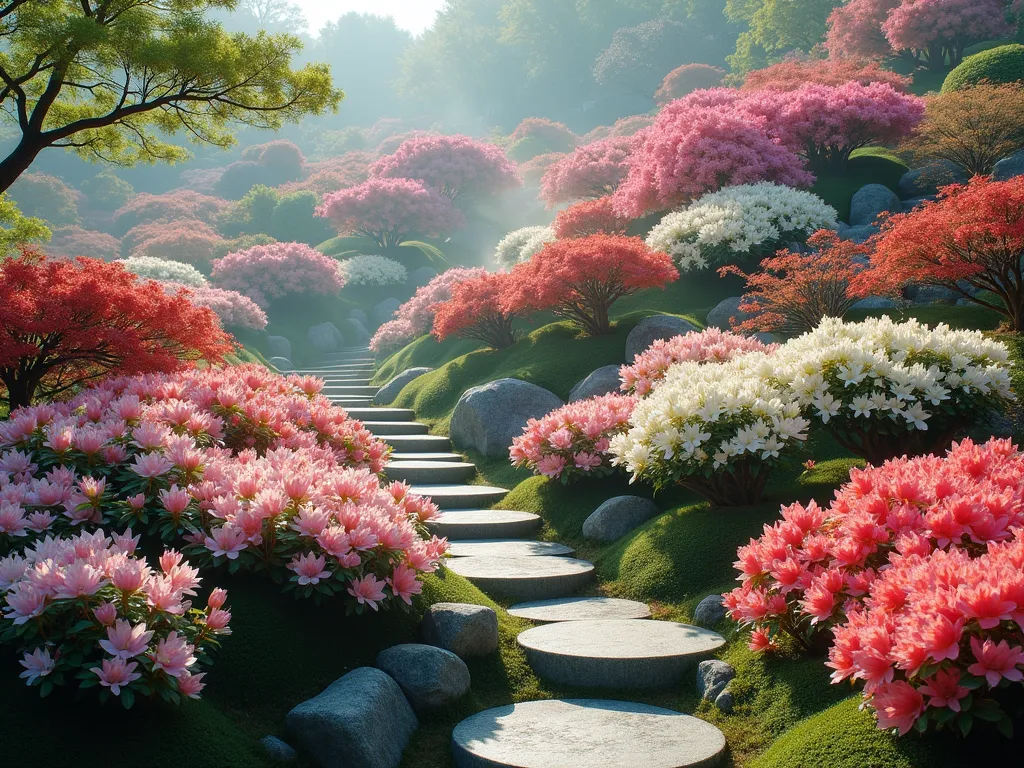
[414, 15]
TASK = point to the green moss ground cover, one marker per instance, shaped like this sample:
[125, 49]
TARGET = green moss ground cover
[871, 165]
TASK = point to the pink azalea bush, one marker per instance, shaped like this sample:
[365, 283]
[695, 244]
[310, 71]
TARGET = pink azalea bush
[916, 568]
[572, 441]
[172, 206]
[707, 346]
[233, 309]
[588, 172]
[68, 242]
[268, 272]
[89, 608]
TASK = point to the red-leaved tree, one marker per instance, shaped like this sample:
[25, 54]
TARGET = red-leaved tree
[591, 217]
[970, 240]
[588, 172]
[579, 279]
[794, 291]
[65, 323]
[794, 73]
[476, 310]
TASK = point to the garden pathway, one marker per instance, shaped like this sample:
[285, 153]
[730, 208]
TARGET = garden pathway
[584, 642]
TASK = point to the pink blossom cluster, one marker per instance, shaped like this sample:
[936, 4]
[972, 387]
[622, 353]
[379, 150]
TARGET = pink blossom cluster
[172, 206]
[926, 25]
[332, 174]
[88, 607]
[572, 441]
[708, 346]
[141, 233]
[416, 316]
[233, 309]
[588, 172]
[268, 272]
[69, 242]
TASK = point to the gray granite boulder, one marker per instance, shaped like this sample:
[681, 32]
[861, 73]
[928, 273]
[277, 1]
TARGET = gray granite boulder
[725, 702]
[858, 234]
[384, 310]
[430, 677]
[389, 391]
[931, 294]
[875, 302]
[358, 314]
[725, 309]
[281, 363]
[421, 276]
[766, 337]
[601, 382]
[465, 630]
[488, 417]
[279, 346]
[926, 180]
[712, 677]
[278, 752]
[709, 612]
[871, 200]
[914, 202]
[617, 517]
[650, 329]
[325, 337]
[355, 332]
[1009, 167]
[361, 720]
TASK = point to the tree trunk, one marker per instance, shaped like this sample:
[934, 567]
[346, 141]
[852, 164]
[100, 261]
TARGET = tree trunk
[18, 161]
[19, 392]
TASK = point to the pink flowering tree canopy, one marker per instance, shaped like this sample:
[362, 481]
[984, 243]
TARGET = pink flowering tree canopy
[391, 211]
[939, 30]
[794, 73]
[855, 29]
[587, 173]
[268, 272]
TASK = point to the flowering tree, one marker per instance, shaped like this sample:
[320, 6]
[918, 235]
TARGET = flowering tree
[232, 308]
[581, 278]
[477, 310]
[180, 204]
[164, 228]
[683, 80]
[66, 323]
[332, 174]
[178, 243]
[520, 244]
[68, 242]
[453, 165]
[391, 211]
[572, 441]
[283, 159]
[940, 30]
[372, 270]
[969, 240]
[623, 127]
[590, 171]
[794, 291]
[792, 74]
[268, 272]
[46, 197]
[538, 136]
[590, 217]
[855, 29]
[533, 170]
[165, 271]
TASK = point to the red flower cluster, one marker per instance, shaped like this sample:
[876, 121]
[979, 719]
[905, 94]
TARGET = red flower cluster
[591, 217]
[477, 310]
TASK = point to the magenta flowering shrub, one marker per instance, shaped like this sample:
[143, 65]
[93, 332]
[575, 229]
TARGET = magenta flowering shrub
[572, 441]
[89, 608]
[416, 316]
[268, 272]
[233, 309]
[917, 568]
[708, 346]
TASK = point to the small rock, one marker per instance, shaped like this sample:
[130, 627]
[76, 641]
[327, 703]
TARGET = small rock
[709, 612]
[860, 233]
[282, 364]
[325, 337]
[726, 309]
[358, 314]
[924, 181]
[875, 302]
[430, 677]
[871, 200]
[385, 310]
[712, 677]
[278, 751]
[601, 382]
[1009, 167]
[931, 294]
[355, 332]
[768, 338]
[914, 202]
[465, 630]
[279, 346]
[361, 720]
[725, 702]
[389, 391]
[421, 276]
[617, 517]
[487, 418]
[650, 329]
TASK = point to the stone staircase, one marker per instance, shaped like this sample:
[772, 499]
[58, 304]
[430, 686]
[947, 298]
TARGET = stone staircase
[584, 642]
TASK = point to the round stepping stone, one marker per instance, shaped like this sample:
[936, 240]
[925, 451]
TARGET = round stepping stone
[508, 548]
[424, 455]
[430, 471]
[485, 524]
[585, 733]
[612, 653]
[580, 609]
[460, 496]
[525, 578]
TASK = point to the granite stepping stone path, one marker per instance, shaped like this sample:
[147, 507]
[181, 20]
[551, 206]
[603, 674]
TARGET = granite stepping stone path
[584, 642]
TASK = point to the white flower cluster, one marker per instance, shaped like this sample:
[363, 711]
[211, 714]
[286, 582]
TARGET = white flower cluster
[372, 270]
[747, 219]
[704, 418]
[165, 270]
[880, 370]
[520, 244]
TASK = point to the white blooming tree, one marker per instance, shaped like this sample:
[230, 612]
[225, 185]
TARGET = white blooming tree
[165, 271]
[372, 270]
[520, 244]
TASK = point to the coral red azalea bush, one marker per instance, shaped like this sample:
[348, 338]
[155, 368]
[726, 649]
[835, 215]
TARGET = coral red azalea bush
[591, 217]
[477, 310]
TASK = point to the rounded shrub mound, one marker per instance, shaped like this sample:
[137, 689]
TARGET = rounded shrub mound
[1004, 64]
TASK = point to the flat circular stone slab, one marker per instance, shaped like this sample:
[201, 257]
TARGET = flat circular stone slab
[457, 496]
[425, 456]
[613, 653]
[430, 471]
[580, 609]
[508, 548]
[525, 578]
[585, 733]
[485, 524]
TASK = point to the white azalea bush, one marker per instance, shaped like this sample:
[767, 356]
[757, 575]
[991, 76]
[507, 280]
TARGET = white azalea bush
[750, 220]
[372, 270]
[718, 430]
[520, 244]
[885, 389]
[165, 271]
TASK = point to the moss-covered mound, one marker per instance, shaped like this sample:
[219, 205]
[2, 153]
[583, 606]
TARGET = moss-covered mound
[1004, 64]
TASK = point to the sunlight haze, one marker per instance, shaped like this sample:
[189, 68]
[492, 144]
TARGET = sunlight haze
[413, 15]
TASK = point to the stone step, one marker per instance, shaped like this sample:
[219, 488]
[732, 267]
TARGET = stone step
[426, 456]
[346, 381]
[383, 414]
[349, 359]
[525, 578]
[351, 402]
[350, 389]
[585, 733]
[458, 496]
[413, 443]
[496, 548]
[580, 609]
[341, 369]
[615, 653]
[429, 471]
[380, 428]
[461, 524]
